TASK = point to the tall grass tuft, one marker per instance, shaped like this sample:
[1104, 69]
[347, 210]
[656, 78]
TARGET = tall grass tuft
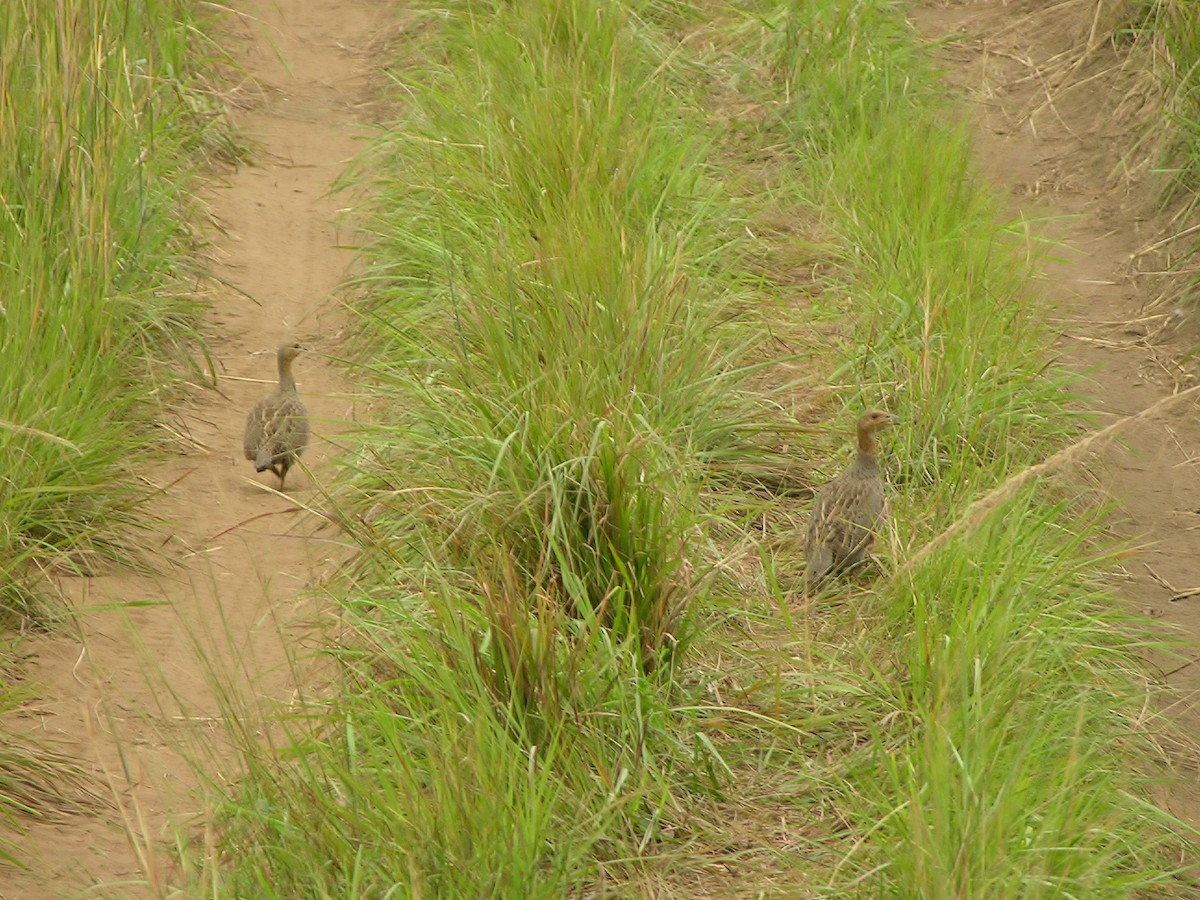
[941, 297]
[550, 308]
[96, 141]
[1010, 767]
[99, 131]
[458, 788]
[1169, 30]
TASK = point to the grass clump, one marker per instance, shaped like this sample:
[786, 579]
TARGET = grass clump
[96, 141]
[459, 784]
[938, 294]
[1013, 771]
[1171, 29]
[568, 349]
[99, 130]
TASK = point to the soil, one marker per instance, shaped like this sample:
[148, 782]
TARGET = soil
[136, 685]
[135, 689]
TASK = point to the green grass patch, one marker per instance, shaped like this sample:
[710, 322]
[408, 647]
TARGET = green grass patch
[101, 126]
[567, 357]
[936, 288]
[98, 135]
[1157, 43]
[1171, 30]
[1012, 677]
[1015, 700]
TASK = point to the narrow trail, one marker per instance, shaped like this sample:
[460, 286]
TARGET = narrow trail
[131, 687]
[1057, 152]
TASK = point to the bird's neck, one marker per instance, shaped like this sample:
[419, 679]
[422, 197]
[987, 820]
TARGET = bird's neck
[866, 444]
[866, 462]
[286, 382]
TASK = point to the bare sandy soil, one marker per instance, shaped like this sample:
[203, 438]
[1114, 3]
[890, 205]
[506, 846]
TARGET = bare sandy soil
[133, 686]
[241, 557]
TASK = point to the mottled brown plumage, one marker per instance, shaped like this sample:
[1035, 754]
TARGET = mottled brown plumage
[277, 427]
[849, 508]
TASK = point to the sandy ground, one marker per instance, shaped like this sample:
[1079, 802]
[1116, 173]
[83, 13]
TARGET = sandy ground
[240, 556]
[243, 556]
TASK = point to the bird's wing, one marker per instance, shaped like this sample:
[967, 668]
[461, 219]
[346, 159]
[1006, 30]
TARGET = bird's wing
[255, 423]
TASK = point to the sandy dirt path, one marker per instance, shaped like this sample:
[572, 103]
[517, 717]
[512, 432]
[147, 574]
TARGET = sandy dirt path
[131, 688]
[1053, 136]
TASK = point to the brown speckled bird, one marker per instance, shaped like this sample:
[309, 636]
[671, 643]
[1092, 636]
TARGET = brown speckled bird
[849, 508]
[277, 427]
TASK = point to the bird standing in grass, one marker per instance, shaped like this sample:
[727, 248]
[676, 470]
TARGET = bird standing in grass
[849, 508]
[277, 427]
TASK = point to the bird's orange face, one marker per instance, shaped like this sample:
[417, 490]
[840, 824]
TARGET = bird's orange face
[877, 420]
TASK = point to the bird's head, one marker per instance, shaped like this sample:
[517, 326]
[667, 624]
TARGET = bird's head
[877, 420]
[871, 424]
[289, 351]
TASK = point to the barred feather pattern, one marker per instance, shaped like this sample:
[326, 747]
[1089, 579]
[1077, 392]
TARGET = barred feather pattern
[277, 428]
[849, 509]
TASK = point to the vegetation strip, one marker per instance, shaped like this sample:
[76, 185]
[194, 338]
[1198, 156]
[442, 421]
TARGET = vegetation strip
[101, 125]
[1169, 32]
[99, 130]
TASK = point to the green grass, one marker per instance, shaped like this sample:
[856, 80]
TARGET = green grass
[568, 360]
[101, 126]
[1011, 675]
[1158, 42]
[573, 657]
[97, 139]
[561, 333]
[1171, 30]
[937, 287]
[1009, 771]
